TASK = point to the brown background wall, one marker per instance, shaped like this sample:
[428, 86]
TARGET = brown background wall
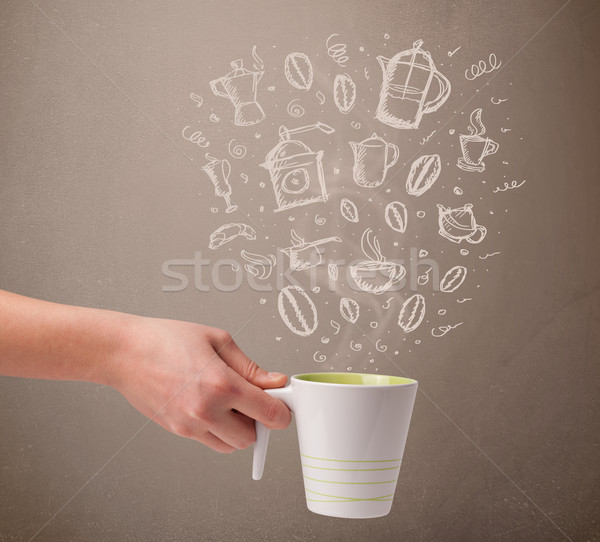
[99, 188]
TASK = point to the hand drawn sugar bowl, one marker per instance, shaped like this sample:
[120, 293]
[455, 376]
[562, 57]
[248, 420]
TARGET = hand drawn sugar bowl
[240, 86]
[408, 90]
[296, 171]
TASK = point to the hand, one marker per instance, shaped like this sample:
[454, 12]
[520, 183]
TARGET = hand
[194, 381]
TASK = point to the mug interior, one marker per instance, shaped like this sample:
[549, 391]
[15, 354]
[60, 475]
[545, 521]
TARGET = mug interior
[355, 379]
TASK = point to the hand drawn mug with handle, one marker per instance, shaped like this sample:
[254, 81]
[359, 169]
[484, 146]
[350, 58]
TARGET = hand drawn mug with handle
[372, 159]
[352, 429]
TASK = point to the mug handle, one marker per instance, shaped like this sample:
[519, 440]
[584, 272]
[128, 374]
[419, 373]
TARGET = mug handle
[491, 148]
[263, 432]
[436, 103]
[396, 155]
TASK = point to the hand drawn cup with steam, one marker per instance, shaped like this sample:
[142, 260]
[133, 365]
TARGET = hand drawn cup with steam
[240, 86]
[372, 159]
[218, 172]
[474, 147]
[296, 171]
[459, 224]
[306, 254]
[375, 274]
[412, 87]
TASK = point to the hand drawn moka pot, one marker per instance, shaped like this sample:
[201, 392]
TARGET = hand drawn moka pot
[296, 171]
[411, 87]
[240, 86]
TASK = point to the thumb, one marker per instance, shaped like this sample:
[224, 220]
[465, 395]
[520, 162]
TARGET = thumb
[233, 356]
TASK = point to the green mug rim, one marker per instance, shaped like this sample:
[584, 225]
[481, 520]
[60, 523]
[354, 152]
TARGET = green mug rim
[358, 380]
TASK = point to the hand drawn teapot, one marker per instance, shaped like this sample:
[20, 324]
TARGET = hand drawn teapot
[459, 224]
[240, 86]
[410, 79]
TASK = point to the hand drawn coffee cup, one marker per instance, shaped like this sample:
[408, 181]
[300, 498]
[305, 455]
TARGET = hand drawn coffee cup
[307, 254]
[372, 159]
[459, 224]
[474, 149]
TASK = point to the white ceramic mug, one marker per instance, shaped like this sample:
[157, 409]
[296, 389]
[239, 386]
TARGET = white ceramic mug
[352, 429]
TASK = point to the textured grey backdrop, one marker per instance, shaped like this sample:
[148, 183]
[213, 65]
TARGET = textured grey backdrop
[99, 188]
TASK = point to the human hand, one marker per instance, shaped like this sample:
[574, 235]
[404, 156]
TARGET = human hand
[194, 381]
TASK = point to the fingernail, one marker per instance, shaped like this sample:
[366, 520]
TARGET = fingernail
[273, 376]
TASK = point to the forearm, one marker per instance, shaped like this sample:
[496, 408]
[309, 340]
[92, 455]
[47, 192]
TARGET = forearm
[39, 339]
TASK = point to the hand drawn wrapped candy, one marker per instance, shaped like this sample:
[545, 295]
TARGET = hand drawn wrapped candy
[240, 86]
[296, 171]
[306, 254]
[411, 87]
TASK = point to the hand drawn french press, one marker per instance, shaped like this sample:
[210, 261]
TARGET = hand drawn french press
[240, 86]
[412, 86]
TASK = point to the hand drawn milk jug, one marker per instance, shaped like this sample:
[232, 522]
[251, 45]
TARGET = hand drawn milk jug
[240, 86]
[411, 87]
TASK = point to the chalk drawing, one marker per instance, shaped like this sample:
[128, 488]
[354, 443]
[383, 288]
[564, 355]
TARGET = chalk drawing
[297, 311]
[320, 97]
[423, 253]
[451, 53]
[298, 71]
[319, 358]
[411, 87]
[349, 210]
[214, 210]
[482, 67]
[236, 150]
[498, 101]
[333, 271]
[296, 171]
[424, 171]
[349, 309]
[228, 232]
[320, 220]
[344, 93]
[387, 305]
[441, 312]
[195, 137]
[258, 62]
[198, 99]
[366, 73]
[372, 159]
[257, 265]
[453, 279]
[374, 325]
[214, 118]
[412, 313]
[504, 130]
[240, 86]
[459, 224]
[337, 51]
[474, 147]
[325, 340]
[511, 186]
[218, 172]
[375, 274]
[421, 214]
[426, 139]
[458, 191]
[294, 109]
[306, 254]
[488, 255]
[423, 279]
[357, 347]
[335, 326]
[355, 125]
[442, 330]
[380, 347]
[396, 216]
[464, 299]
[464, 252]
[244, 178]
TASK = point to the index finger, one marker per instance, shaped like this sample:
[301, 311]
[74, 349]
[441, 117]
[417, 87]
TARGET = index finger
[260, 406]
